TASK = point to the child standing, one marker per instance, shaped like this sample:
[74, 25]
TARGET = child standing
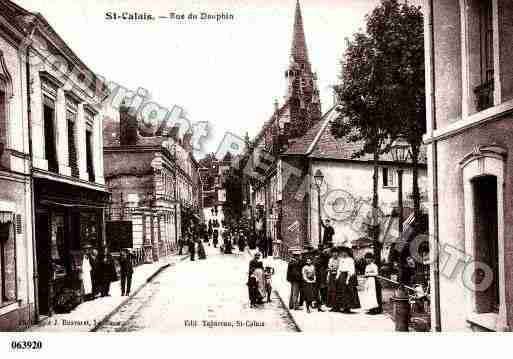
[252, 284]
[268, 273]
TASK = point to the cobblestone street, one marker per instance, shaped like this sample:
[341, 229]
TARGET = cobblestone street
[201, 296]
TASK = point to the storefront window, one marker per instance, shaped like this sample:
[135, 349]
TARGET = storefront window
[89, 229]
[58, 246]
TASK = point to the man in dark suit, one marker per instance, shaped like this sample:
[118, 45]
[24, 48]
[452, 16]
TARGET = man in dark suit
[126, 271]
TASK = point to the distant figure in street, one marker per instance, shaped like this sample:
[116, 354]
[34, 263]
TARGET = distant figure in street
[192, 246]
[201, 250]
[107, 268]
[126, 271]
[309, 280]
[329, 232]
[241, 241]
[215, 237]
[180, 246]
[227, 243]
[294, 277]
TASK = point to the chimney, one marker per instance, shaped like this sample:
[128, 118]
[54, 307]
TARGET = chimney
[128, 128]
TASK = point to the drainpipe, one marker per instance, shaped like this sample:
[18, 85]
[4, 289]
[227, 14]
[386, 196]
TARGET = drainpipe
[434, 167]
[35, 276]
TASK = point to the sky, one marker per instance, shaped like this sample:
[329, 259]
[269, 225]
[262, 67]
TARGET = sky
[228, 73]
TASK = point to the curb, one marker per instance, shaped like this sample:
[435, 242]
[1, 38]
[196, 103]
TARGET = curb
[135, 292]
[285, 307]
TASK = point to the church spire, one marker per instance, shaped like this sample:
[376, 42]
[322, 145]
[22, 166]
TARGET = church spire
[298, 52]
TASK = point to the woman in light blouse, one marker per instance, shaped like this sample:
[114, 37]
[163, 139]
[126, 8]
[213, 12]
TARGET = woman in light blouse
[347, 293]
[332, 278]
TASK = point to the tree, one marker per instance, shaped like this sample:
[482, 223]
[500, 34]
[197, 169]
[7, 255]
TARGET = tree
[382, 87]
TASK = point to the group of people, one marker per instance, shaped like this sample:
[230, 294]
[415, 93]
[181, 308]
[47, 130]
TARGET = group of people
[259, 282]
[327, 278]
[99, 271]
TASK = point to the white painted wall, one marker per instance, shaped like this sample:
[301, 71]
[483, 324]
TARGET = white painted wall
[352, 182]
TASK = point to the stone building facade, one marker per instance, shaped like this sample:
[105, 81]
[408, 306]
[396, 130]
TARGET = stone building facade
[55, 197]
[154, 183]
[469, 137]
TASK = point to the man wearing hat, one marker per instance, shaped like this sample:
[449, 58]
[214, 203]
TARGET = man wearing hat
[294, 277]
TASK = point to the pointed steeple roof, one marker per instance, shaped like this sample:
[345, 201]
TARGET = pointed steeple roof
[299, 51]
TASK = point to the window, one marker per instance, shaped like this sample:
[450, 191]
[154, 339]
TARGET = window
[3, 117]
[89, 155]
[49, 133]
[486, 249]
[484, 276]
[71, 117]
[484, 92]
[389, 178]
[7, 259]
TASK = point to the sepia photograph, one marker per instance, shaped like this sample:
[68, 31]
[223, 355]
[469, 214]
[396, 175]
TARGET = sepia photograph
[237, 168]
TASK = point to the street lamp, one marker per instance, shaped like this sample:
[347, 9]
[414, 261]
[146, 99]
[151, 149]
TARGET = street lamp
[400, 152]
[319, 179]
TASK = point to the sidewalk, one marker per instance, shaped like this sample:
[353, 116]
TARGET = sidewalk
[315, 321]
[86, 316]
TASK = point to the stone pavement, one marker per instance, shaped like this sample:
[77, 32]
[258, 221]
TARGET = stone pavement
[88, 315]
[325, 322]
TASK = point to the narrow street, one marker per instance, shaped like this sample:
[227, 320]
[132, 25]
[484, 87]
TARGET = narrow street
[202, 296]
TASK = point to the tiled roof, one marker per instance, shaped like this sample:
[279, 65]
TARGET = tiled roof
[319, 143]
[301, 145]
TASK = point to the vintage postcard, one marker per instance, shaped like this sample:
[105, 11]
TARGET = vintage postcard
[228, 167]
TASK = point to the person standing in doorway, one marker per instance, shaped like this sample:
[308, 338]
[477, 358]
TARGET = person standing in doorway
[126, 271]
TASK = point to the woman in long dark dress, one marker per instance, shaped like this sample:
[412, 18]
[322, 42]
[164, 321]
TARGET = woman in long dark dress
[309, 280]
[347, 292]
[332, 279]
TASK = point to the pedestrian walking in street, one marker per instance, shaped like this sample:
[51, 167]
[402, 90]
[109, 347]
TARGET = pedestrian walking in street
[259, 273]
[254, 262]
[126, 271]
[309, 279]
[346, 292]
[215, 237]
[369, 298]
[294, 277]
[108, 272]
[332, 278]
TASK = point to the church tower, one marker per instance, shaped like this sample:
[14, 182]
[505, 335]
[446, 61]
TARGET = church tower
[302, 93]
